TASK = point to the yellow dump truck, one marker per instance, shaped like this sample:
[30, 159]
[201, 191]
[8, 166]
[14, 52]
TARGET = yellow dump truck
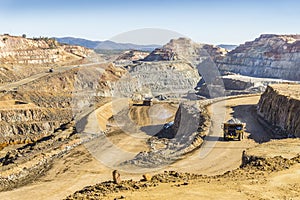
[233, 129]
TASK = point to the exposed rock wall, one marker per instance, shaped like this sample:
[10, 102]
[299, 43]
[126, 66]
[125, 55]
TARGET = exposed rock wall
[18, 50]
[162, 54]
[234, 84]
[272, 56]
[17, 125]
[185, 135]
[25, 164]
[201, 57]
[172, 70]
[185, 49]
[21, 57]
[45, 104]
[280, 106]
[61, 89]
[153, 78]
[132, 55]
[230, 87]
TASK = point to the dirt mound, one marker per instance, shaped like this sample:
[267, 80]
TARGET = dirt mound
[253, 171]
[108, 187]
[275, 155]
[257, 171]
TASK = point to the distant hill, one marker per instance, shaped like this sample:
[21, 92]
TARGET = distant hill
[105, 45]
[229, 47]
[78, 41]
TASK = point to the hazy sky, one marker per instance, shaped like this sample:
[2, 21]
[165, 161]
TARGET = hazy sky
[210, 21]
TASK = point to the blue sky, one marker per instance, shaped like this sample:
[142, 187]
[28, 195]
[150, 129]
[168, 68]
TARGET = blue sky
[213, 21]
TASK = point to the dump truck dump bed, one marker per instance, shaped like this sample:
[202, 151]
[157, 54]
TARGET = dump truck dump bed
[233, 129]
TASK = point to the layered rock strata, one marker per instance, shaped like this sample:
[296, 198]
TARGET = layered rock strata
[185, 49]
[23, 51]
[271, 56]
[280, 106]
[154, 78]
[41, 106]
[21, 57]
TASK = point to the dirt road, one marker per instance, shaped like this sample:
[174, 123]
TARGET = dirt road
[217, 156]
[14, 85]
[78, 168]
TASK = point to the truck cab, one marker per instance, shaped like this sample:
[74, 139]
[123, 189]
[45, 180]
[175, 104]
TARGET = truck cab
[233, 129]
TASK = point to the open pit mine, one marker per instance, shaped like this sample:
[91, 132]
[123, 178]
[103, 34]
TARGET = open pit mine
[76, 124]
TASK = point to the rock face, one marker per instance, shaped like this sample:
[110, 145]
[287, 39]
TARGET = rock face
[172, 69]
[154, 78]
[186, 124]
[185, 49]
[20, 124]
[183, 136]
[271, 56]
[18, 50]
[21, 57]
[280, 106]
[201, 57]
[41, 117]
[40, 107]
[231, 86]
[234, 84]
[162, 54]
[132, 55]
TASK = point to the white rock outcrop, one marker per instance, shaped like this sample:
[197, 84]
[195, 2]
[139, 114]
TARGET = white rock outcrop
[271, 56]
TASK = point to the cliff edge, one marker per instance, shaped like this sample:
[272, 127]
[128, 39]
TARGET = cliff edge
[280, 105]
[269, 56]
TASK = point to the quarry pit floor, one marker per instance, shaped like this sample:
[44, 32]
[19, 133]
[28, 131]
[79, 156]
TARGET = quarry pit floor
[79, 168]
